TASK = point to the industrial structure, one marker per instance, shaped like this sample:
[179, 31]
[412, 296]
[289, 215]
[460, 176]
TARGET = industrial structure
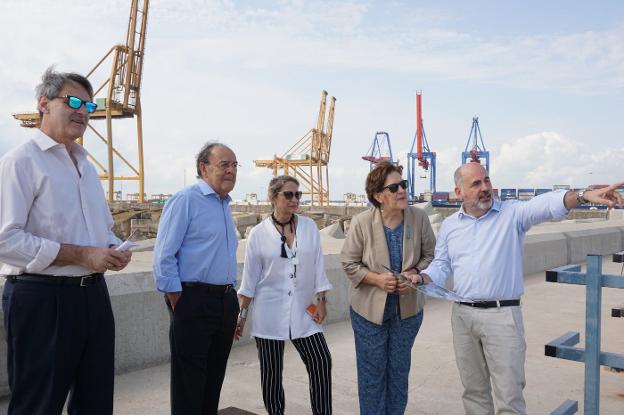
[308, 158]
[380, 150]
[122, 100]
[475, 150]
[423, 159]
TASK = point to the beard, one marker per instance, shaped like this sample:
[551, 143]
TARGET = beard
[485, 205]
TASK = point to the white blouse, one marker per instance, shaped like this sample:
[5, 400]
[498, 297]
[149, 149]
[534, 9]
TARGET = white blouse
[280, 296]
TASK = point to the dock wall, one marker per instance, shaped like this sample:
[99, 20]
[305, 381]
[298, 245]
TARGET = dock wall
[142, 322]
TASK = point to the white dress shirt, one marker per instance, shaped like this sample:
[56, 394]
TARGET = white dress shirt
[279, 299]
[45, 202]
[485, 254]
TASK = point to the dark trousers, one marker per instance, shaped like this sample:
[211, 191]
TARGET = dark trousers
[60, 338]
[200, 335]
[317, 359]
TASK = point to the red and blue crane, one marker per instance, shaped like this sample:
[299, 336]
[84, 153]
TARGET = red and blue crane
[423, 159]
[380, 150]
[477, 148]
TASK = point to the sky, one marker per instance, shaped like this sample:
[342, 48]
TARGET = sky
[546, 80]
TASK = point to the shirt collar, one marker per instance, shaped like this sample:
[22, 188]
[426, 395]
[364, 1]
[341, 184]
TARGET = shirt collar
[206, 190]
[45, 143]
[496, 206]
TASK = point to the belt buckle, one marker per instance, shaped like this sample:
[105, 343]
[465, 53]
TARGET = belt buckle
[82, 280]
[498, 305]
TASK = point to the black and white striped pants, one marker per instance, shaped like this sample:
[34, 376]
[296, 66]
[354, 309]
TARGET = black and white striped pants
[317, 359]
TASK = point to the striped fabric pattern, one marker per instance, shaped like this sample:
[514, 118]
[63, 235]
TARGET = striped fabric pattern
[315, 355]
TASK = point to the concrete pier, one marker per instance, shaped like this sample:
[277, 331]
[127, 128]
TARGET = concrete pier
[142, 347]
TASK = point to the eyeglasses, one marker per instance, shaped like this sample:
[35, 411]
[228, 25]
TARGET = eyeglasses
[394, 187]
[289, 195]
[76, 103]
[224, 165]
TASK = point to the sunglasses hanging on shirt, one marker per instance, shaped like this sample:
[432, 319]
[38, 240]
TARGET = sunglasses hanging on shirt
[283, 225]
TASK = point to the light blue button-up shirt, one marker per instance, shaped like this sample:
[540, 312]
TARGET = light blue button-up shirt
[196, 240]
[485, 254]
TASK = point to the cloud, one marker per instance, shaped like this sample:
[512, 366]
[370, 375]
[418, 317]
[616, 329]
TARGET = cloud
[547, 158]
[249, 73]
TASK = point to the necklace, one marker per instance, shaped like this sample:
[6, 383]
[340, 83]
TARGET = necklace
[290, 222]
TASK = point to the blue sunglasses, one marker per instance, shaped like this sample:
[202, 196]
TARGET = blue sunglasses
[76, 103]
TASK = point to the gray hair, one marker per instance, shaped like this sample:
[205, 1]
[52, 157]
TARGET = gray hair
[458, 176]
[204, 154]
[52, 83]
[277, 183]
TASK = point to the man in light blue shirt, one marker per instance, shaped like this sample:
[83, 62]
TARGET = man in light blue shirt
[481, 246]
[195, 266]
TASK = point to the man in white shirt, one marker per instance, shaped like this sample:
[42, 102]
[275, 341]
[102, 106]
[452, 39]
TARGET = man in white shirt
[482, 247]
[56, 241]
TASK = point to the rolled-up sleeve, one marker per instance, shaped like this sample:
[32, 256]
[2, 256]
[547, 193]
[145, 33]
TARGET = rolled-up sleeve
[428, 243]
[171, 233]
[321, 282]
[252, 270]
[352, 253]
[19, 248]
[440, 268]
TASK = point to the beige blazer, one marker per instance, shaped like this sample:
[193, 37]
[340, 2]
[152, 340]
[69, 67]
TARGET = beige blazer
[366, 249]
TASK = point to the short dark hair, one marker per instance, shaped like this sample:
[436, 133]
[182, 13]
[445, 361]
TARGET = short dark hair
[377, 178]
[52, 82]
[204, 154]
[277, 183]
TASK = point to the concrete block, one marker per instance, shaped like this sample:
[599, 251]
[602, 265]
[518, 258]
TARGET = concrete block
[334, 231]
[426, 206]
[242, 220]
[544, 251]
[602, 241]
[615, 214]
[435, 218]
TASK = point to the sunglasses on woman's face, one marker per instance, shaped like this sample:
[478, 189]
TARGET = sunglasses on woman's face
[289, 195]
[394, 187]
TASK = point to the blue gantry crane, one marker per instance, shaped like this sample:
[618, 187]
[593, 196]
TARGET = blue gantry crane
[380, 150]
[423, 159]
[475, 150]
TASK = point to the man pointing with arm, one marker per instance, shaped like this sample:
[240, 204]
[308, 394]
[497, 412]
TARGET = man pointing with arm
[482, 247]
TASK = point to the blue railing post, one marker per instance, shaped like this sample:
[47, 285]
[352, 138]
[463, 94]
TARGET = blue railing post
[563, 346]
[593, 302]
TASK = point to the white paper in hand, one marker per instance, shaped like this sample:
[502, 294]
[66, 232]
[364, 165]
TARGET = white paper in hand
[125, 246]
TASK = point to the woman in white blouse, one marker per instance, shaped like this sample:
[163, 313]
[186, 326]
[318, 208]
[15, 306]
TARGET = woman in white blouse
[284, 275]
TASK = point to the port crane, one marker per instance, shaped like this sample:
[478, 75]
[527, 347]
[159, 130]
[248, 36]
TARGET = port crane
[121, 88]
[423, 159]
[308, 158]
[380, 150]
[475, 150]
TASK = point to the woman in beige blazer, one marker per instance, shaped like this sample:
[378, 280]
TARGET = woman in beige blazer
[386, 314]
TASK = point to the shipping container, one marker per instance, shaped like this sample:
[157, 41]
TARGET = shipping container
[526, 194]
[541, 191]
[508, 194]
[440, 198]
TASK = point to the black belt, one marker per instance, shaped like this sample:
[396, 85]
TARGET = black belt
[492, 304]
[82, 281]
[210, 288]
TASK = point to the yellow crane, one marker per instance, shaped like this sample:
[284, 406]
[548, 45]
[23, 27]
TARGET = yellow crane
[308, 158]
[122, 100]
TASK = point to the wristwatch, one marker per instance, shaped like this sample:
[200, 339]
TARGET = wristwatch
[579, 196]
[243, 312]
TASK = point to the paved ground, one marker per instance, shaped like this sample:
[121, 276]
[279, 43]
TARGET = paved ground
[549, 311]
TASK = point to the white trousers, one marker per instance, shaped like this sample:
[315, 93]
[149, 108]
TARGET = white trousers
[490, 352]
